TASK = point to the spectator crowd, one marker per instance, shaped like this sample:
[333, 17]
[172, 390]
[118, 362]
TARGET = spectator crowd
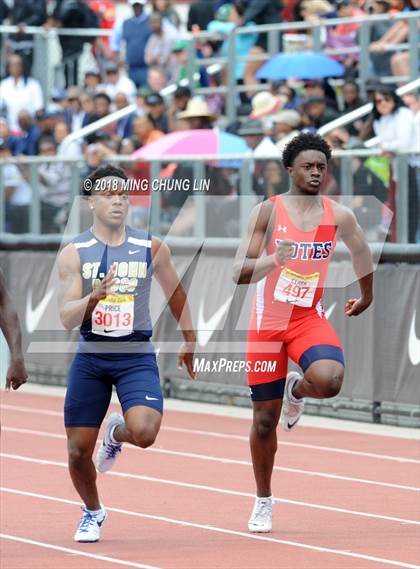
[144, 61]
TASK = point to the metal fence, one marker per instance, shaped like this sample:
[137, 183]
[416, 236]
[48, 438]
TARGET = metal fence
[48, 63]
[274, 31]
[45, 45]
[237, 173]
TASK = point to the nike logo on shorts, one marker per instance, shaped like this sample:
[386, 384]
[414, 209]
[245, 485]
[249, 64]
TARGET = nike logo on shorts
[148, 398]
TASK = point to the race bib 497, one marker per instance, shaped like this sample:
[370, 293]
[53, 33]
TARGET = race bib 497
[295, 288]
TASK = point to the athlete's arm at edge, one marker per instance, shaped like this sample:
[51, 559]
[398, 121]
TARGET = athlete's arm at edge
[9, 324]
[167, 277]
[352, 235]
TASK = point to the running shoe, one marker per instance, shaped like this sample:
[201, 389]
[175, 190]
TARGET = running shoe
[108, 451]
[89, 529]
[262, 514]
[292, 408]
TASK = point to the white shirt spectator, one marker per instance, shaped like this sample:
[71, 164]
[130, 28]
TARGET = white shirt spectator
[55, 183]
[416, 159]
[12, 178]
[158, 50]
[77, 121]
[20, 95]
[71, 150]
[397, 131]
[123, 85]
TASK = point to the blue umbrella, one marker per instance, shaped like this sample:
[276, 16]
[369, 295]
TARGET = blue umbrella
[300, 65]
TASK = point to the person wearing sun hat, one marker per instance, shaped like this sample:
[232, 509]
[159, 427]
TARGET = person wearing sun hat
[285, 127]
[264, 104]
[197, 114]
[252, 131]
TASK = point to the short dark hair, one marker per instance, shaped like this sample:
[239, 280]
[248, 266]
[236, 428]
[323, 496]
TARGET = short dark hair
[302, 142]
[182, 91]
[354, 83]
[101, 95]
[240, 7]
[103, 172]
[47, 139]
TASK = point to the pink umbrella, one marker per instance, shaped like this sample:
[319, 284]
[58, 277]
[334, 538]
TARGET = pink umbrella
[205, 141]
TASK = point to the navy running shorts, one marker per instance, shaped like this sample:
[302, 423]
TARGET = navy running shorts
[91, 377]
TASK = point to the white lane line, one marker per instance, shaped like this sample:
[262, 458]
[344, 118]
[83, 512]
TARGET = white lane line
[75, 551]
[246, 463]
[286, 469]
[37, 411]
[241, 413]
[298, 445]
[400, 459]
[226, 531]
[33, 432]
[217, 490]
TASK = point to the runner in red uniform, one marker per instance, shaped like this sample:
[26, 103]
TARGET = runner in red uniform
[298, 232]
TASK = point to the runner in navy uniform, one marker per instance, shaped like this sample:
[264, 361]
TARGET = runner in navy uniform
[105, 277]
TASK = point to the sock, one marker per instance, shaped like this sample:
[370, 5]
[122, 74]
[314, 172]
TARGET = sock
[292, 397]
[111, 435]
[259, 498]
[96, 512]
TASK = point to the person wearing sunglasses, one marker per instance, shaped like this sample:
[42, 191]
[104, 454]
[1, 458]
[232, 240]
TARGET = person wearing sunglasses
[394, 124]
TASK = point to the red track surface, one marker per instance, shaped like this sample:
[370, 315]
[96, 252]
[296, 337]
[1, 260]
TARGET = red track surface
[185, 502]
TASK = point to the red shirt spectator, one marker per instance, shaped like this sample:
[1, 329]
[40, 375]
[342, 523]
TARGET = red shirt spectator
[106, 11]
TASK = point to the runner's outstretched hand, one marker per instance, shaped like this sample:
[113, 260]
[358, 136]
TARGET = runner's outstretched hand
[186, 357]
[355, 306]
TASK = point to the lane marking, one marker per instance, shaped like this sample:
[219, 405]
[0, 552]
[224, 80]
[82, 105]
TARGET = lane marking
[226, 531]
[245, 413]
[297, 445]
[76, 551]
[400, 459]
[217, 490]
[243, 463]
[286, 469]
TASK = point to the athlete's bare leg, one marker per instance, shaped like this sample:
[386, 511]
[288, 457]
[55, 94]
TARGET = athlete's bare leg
[322, 379]
[141, 427]
[263, 442]
[81, 444]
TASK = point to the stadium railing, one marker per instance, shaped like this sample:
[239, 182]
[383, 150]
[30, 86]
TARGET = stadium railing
[232, 89]
[341, 121]
[44, 38]
[362, 111]
[243, 164]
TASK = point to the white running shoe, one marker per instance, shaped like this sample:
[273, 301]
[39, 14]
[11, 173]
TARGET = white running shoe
[108, 451]
[292, 408]
[262, 514]
[89, 529]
